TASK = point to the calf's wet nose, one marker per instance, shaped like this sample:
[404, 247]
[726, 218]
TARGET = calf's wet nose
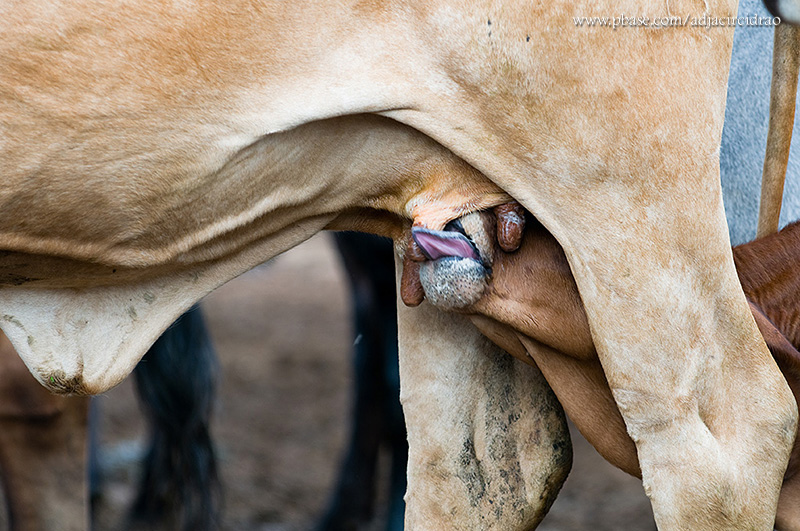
[458, 260]
[451, 267]
[453, 283]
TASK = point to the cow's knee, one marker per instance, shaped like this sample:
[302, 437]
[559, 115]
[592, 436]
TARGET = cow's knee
[718, 476]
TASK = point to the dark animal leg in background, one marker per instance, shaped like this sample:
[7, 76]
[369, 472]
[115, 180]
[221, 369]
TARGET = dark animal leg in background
[377, 417]
[176, 381]
[44, 467]
[95, 467]
[395, 433]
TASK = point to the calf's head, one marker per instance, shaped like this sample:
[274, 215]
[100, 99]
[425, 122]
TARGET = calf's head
[467, 268]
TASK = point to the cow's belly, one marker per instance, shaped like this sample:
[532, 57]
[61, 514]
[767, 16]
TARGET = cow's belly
[115, 290]
[140, 218]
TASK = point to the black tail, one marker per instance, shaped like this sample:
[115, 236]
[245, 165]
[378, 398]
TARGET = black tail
[377, 418]
[176, 381]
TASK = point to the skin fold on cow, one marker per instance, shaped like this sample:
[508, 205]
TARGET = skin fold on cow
[545, 324]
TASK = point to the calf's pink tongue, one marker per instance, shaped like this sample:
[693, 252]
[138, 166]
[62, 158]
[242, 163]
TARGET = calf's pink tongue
[440, 244]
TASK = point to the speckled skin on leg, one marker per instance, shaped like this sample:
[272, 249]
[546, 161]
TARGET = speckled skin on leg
[452, 283]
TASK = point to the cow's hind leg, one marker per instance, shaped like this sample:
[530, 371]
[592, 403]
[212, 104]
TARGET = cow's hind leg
[711, 415]
[488, 443]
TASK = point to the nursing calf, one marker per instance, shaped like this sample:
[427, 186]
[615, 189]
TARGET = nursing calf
[528, 303]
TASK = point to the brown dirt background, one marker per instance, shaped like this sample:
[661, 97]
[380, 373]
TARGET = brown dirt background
[283, 335]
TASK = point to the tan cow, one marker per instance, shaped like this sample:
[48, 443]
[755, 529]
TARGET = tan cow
[135, 136]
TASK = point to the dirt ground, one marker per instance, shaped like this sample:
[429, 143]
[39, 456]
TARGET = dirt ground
[283, 335]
